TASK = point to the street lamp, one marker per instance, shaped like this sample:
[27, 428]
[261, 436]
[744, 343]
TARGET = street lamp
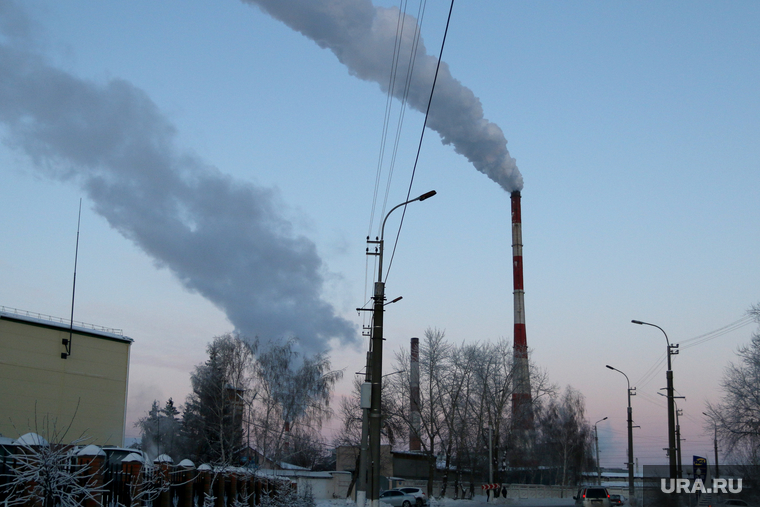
[672, 349]
[376, 358]
[596, 439]
[715, 441]
[631, 392]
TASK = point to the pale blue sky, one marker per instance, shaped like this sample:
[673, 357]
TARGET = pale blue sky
[635, 126]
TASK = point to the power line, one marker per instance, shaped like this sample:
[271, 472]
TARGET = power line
[422, 135]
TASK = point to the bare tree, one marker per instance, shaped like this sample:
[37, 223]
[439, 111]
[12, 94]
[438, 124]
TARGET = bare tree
[564, 436]
[737, 416]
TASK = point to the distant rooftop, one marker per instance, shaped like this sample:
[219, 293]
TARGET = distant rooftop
[61, 322]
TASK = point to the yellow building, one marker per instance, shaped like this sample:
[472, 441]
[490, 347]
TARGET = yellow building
[62, 399]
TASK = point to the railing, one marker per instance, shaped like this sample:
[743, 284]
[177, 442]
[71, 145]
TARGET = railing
[50, 318]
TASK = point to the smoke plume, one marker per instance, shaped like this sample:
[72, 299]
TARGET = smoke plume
[362, 37]
[222, 238]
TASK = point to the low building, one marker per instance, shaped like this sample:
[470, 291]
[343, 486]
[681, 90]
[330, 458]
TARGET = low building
[62, 396]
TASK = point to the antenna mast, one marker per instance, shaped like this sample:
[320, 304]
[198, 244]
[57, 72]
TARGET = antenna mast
[67, 341]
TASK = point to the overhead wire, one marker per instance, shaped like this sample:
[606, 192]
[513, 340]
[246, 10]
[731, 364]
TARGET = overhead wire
[693, 342]
[422, 135]
[404, 99]
[388, 108]
[384, 137]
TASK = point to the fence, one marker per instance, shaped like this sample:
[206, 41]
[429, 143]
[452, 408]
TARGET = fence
[94, 483]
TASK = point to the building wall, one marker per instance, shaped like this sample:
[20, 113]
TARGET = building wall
[41, 392]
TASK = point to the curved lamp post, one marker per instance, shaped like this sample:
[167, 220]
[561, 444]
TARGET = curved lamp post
[671, 403]
[376, 361]
[596, 439]
[631, 392]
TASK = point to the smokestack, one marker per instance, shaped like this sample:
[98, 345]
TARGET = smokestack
[522, 411]
[414, 398]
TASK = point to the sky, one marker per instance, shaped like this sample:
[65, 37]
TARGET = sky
[227, 163]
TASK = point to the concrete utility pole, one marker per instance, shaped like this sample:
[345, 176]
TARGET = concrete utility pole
[376, 372]
[715, 442]
[631, 392]
[596, 439]
[678, 442]
[672, 350]
[361, 481]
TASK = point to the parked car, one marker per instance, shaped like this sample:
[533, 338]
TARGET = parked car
[397, 498]
[617, 500]
[592, 496]
[416, 493]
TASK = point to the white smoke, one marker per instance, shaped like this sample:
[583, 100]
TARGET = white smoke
[362, 36]
[223, 238]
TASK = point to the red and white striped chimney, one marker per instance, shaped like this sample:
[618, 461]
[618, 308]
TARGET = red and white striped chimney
[522, 410]
[414, 397]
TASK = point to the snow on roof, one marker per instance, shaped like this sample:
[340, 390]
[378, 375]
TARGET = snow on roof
[163, 458]
[31, 439]
[186, 463]
[291, 474]
[91, 450]
[7, 441]
[288, 466]
[204, 466]
[65, 324]
[133, 457]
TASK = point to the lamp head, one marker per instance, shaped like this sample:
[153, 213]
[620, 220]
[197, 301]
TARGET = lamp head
[637, 322]
[610, 367]
[427, 195]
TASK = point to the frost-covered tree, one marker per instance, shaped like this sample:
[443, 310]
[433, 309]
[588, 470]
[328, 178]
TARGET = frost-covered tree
[564, 436]
[292, 400]
[284, 496]
[212, 422]
[737, 416]
[47, 474]
[147, 485]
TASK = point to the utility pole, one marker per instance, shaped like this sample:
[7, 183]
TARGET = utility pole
[361, 481]
[672, 350]
[715, 442]
[678, 441]
[376, 350]
[596, 440]
[631, 392]
[717, 473]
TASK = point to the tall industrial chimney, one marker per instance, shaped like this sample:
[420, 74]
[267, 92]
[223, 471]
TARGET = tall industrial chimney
[414, 397]
[522, 409]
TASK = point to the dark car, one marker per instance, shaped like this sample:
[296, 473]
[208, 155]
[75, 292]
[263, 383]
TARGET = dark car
[617, 500]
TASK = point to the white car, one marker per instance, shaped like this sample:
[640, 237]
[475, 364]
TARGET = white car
[592, 496]
[416, 493]
[397, 498]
